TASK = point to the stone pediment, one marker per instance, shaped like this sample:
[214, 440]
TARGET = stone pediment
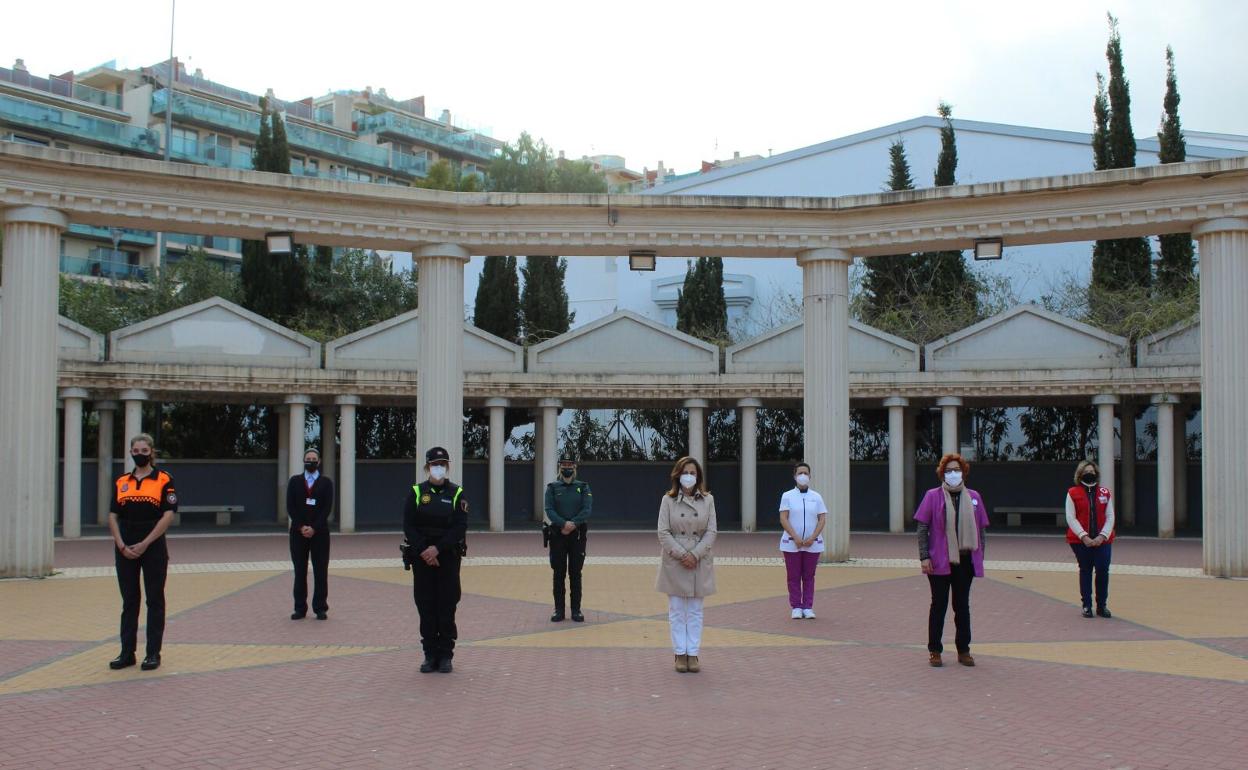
[781, 350]
[1027, 337]
[624, 343]
[214, 332]
[74, 341]
[395, 344]
[1177, 346]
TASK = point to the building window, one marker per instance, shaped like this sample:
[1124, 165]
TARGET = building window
[21, 139]
[185, 142]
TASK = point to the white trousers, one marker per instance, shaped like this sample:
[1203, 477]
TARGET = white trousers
[685, 615]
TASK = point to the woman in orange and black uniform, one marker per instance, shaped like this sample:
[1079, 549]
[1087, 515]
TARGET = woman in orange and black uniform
[144, 502]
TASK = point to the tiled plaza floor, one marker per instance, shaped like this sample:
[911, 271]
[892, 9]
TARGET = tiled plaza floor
[1164, 684]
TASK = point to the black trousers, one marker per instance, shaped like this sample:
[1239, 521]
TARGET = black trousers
[152, 568]
[1090, 558]
[436, 591]
[317, 547]
[959, 581]
[567, 559]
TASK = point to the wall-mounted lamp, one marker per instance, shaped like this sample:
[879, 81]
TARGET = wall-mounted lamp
[281, 244]
[989, 248]
[642, 260]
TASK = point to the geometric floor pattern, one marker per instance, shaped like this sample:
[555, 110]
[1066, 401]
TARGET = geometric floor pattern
[1164, 684]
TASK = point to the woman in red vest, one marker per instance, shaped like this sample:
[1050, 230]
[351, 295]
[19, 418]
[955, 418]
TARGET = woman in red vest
[1090, 532]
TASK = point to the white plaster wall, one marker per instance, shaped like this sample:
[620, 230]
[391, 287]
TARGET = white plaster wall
[214, 335]
[1026, 341]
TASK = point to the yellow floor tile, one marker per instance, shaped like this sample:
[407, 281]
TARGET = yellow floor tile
[646, 633]
[88, 609]
[1187, 607]
[1167, 656]
[91, 666]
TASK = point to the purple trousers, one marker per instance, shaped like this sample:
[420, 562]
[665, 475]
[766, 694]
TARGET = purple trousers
[800, 567]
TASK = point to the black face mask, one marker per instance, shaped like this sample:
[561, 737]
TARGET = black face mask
[310, 467]
[141, 461]
[567, 473]
[1089, 478]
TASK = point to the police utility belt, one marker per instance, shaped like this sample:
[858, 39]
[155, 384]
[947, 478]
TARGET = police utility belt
[550, 531]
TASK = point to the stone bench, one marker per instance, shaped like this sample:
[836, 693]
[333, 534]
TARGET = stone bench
[223, 513]
[1014, 514]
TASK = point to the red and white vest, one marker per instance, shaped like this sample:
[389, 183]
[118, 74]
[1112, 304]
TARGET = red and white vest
[1079, 495]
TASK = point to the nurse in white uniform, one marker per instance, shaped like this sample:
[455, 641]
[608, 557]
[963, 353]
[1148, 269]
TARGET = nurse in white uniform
[802, 515]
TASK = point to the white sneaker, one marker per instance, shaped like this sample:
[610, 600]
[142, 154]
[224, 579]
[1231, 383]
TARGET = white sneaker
[808, 613]
[797, 614]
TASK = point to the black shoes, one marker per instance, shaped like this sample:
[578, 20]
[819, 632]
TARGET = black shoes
[151, 662]
[298, 615]
[322, 616]
[428, 665]
[557, 617]
[124, 660]
[1087, 612]
[444, 666]
[577, 617]
[1104, 612]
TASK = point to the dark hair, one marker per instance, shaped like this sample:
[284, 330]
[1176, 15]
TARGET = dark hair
[679, 468]
[802, 464]
[953, 457]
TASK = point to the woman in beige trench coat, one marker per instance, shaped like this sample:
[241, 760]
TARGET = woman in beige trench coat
[686, 567]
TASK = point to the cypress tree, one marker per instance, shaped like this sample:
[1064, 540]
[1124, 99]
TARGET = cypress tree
[274, 286]
[544, 299]
[1174, 269]
[887, 282]
[496, 308]
[943, 275]
[1121, 263]
[701, 309]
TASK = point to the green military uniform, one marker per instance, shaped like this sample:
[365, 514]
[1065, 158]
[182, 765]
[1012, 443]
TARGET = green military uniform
[568, 501]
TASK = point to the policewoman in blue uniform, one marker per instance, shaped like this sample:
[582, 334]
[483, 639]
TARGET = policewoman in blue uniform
[435, 523]
[309, 502]
[144, 501]
[568, 504]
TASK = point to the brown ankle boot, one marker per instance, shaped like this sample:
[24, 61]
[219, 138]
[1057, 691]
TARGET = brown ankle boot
[694, 665]
[682, 664]
[965, 659]
[933, 660]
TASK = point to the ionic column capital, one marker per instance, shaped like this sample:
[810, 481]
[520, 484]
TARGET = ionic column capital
[297, 398]
[1220, 225]
[1106, 399]
[550, 403]
[35, 215]
[494, 401]
[695, 403]
[347, 400]
[892, 401]
[824, 255]
[1164, 398]
[949, 401]
[79, 393]
[755, 403]
[452, 250]
[133, 394]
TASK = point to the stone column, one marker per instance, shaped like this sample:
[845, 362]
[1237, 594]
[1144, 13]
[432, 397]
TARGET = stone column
[749, 463]
[539, 481]
[1180, 466]
[1124, 506]
[825, 399]
[912, 415]
[28, 356]
[497, 458]
[1165, 463]
[132, 403]
[550, 447]
[697, 428]
[1223, 245]
[283, 460]
[948, 423]
[440, 387]
[896, 463]
[329, 447]
[346, 473]
[297, 439]
[1105, 440]
[71, 480]
[104, 461]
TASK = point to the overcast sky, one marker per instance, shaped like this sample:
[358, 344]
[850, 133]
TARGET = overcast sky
[677, 81]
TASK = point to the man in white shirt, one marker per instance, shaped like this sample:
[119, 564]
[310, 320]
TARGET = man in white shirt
[802, 515]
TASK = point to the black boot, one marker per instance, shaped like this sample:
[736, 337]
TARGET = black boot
[124, 660]
[429, 665]
[151, 662]
[577, 617]
[557, 616]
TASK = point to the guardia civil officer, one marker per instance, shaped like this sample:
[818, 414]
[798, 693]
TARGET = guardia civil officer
[435, 522]
[309, 502]
[568, 505]
[144, 502]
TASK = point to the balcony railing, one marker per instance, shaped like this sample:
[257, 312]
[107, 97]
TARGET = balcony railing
[296, 109]
[197, 110]
[62, 87]
[217, 242]
[124, 235]
[213, 155]
[463, 143]
[80, 126]
[100, 267]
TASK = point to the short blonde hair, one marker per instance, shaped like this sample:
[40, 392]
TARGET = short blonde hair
[1084, 465]
[147, 439]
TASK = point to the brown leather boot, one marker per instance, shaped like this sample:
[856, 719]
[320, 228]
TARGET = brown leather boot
[965, 659]
[682, 664]
[694, 665]
[933, 660]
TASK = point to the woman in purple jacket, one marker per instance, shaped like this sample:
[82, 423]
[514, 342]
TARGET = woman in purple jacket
[951, 521]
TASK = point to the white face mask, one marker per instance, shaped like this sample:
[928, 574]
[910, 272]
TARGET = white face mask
[437, 472]
[953, 478]
[802, 479]
[687, 480]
